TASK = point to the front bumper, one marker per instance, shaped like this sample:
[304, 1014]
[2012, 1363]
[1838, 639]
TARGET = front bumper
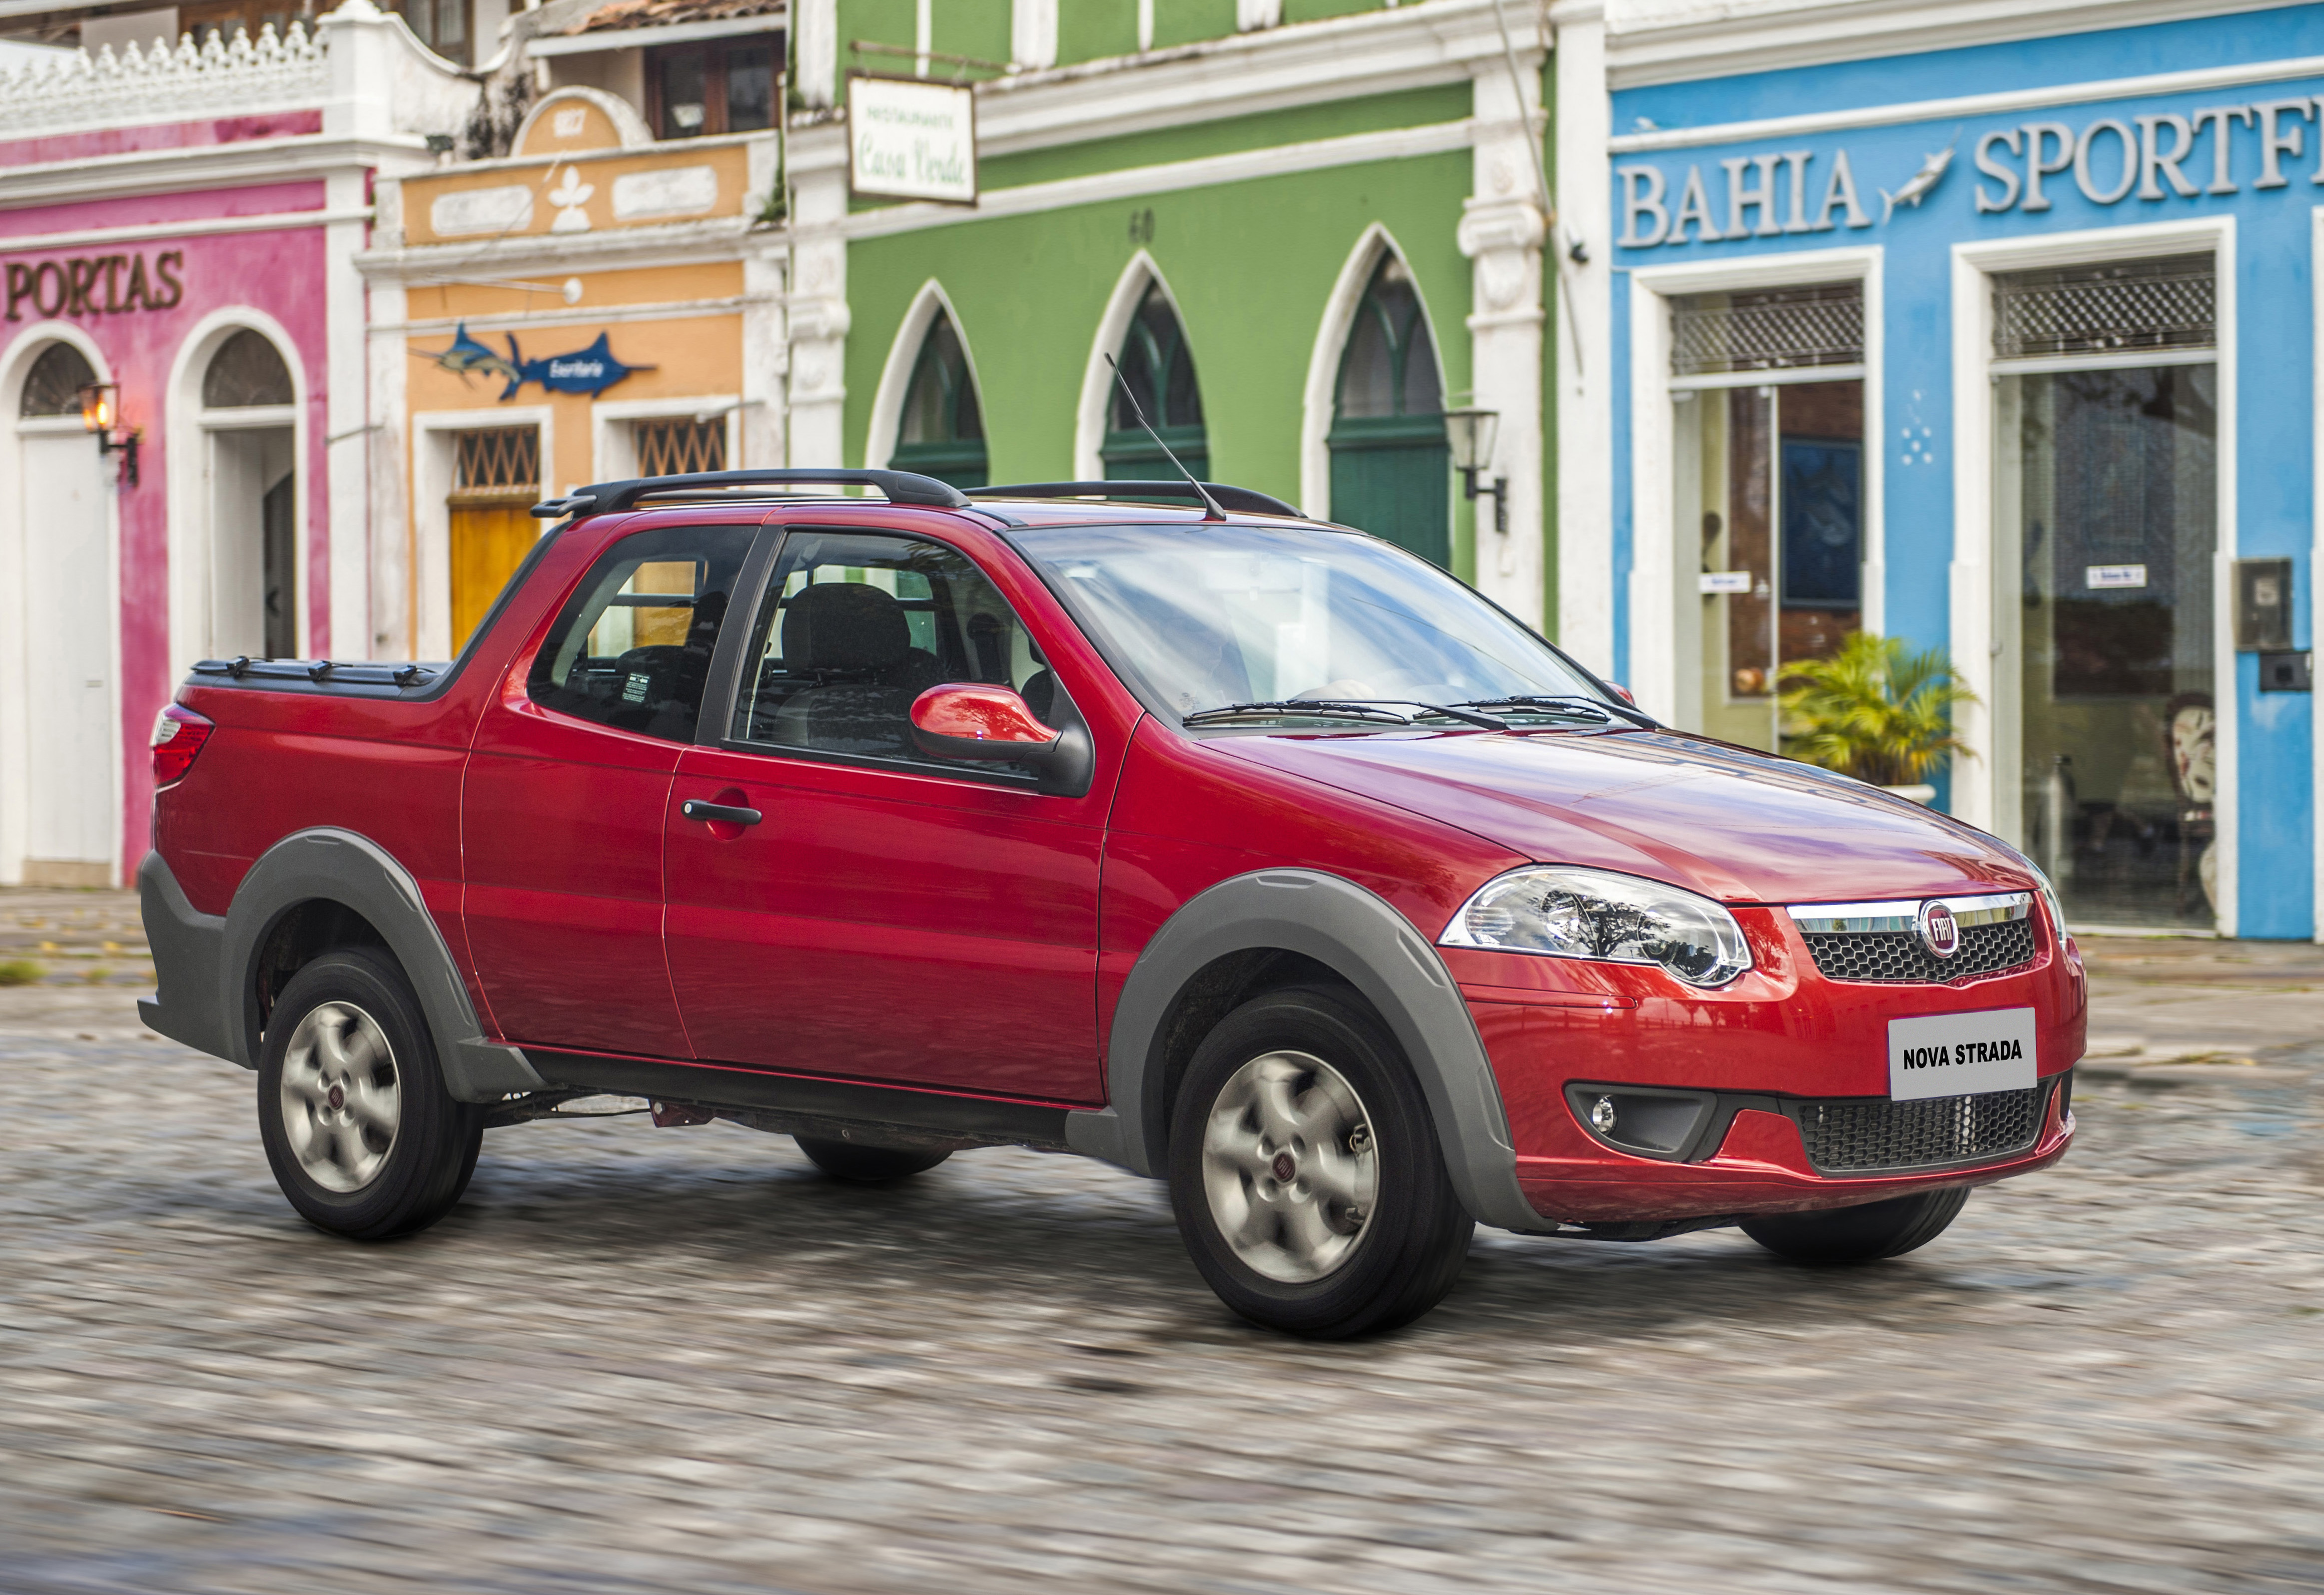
[1762, 1052]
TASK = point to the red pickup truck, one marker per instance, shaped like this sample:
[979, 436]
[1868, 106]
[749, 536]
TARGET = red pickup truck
[1228, 846]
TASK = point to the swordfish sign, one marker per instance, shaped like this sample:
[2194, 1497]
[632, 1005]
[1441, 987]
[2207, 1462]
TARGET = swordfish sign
[592, 370]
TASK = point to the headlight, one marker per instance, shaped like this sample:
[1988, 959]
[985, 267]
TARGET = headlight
[2050, 897]
[1568, 913]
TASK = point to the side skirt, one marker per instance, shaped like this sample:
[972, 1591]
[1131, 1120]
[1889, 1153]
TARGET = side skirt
[802, 1104]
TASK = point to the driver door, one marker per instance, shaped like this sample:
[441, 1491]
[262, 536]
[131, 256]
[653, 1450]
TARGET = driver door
[888, 917]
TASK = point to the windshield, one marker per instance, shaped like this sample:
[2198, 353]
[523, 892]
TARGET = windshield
[1222, 616]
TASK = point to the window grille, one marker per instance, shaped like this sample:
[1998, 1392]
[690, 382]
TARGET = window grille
[247, 370]
[53, 385]
[1781, 329]
[678, 447]
[2158, 304]
[497, 462]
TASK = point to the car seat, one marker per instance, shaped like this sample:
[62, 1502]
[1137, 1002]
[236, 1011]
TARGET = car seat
[854, 643]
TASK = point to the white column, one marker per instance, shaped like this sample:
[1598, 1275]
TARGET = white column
[1033, 32]
[1501, 232]
[818, 50]
[1584, 352]
[766, 358]
[360, 106]
[817, 300]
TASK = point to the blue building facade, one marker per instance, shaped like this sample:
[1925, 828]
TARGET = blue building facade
[2011, 350]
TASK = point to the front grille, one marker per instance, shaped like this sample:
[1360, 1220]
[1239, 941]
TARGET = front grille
[1861, 1135]
[1897, 956]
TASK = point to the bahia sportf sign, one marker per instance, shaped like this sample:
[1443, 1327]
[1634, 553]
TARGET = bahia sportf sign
[2130, 153]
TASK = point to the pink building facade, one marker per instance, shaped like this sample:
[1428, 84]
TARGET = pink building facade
[181, 228]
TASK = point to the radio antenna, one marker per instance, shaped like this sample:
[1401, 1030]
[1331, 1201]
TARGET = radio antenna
[1211, 509]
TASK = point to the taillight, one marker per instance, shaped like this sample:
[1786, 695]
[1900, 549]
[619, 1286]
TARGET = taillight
[178, 735]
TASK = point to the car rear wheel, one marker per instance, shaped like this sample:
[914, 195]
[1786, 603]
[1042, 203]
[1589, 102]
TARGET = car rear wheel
[362, 1136]
[869, 1165]
[1305, 1174]
[1863, 1234]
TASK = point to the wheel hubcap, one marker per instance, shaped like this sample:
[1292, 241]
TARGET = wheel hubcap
[342, 1103]
[1289, 1165]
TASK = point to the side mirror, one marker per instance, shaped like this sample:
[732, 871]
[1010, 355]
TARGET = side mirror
[1623, 693]
[975, 720]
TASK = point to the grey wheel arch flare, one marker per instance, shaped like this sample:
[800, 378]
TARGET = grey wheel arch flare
[330, 865]
[1359, 935]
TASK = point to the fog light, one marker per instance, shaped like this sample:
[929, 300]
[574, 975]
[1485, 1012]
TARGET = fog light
[1601, 1116]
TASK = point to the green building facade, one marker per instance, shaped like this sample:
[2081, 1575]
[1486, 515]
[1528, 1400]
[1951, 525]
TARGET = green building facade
[1305, 229]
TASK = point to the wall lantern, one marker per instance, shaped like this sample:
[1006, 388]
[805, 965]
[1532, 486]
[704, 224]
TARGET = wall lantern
[1471, 434]
[100, 412]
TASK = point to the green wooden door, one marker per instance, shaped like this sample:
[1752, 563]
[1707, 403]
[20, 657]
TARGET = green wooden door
[1391, 466]
[941, 432]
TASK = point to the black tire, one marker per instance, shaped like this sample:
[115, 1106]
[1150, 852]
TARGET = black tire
[1863, 1234]
[869, 1165]
[340, 1171]
[1395, 1259]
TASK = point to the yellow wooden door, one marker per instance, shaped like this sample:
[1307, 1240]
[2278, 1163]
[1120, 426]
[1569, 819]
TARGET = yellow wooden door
[489, 542]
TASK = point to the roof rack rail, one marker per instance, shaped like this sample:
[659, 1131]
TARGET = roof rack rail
[1247, 500]
[607, 498]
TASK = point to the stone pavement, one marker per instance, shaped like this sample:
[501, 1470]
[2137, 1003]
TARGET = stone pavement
[648, 1361]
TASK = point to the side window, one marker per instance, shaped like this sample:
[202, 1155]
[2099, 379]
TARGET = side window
[856, 625]
[632, 648]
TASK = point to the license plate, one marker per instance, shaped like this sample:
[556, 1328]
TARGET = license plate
[1961, 1054]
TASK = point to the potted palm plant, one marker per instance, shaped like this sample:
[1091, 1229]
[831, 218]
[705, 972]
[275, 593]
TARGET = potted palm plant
[1874, 710]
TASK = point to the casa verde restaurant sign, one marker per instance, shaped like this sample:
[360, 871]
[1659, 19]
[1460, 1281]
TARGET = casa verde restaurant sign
[911, 140]
[2108, 158]
[95, 284]
[592, 370]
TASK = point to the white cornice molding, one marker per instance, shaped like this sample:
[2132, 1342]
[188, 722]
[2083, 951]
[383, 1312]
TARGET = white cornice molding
[1967, 106]
[1348, 58]
[623, 249]
[199, 226]
[1679, 44]
[211, 166]
[1131, 182]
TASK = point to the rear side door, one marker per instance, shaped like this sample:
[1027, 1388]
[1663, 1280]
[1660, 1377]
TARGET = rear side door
[561, 810]
[888, 917]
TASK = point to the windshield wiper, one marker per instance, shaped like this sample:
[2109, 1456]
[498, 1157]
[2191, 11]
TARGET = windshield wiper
[1319, 707]
[1588, 708]
[1369, 709]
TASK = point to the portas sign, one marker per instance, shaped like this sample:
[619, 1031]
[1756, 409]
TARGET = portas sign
[95, 284]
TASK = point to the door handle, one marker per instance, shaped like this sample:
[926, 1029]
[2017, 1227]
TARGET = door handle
[693, 809]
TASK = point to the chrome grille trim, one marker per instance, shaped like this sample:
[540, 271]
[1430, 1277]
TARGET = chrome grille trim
[1871, 918]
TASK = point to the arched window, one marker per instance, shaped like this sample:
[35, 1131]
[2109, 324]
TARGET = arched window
[1160, 372]
[53, 385]
[942, 431]
[246, 371]
[1391, 469]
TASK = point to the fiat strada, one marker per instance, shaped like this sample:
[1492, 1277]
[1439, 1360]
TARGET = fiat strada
[1236, 849]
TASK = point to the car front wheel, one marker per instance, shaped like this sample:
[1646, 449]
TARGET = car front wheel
[1861, 1235]
[362, 1136]
[1305, 1174]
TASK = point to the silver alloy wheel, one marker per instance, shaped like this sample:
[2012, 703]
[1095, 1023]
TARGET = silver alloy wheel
[1290, 1166]
[342, 1099]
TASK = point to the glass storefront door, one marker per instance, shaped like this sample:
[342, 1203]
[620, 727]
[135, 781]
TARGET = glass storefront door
[1773, 476]
[2107, 523]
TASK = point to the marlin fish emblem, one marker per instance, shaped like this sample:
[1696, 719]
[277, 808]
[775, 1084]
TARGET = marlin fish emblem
[466, 355]
[1932, 173]
[584, 370]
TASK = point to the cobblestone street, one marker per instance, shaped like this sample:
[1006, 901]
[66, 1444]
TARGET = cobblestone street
[659, 1359]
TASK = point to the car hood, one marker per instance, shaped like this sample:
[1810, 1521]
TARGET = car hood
[1735, 825]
